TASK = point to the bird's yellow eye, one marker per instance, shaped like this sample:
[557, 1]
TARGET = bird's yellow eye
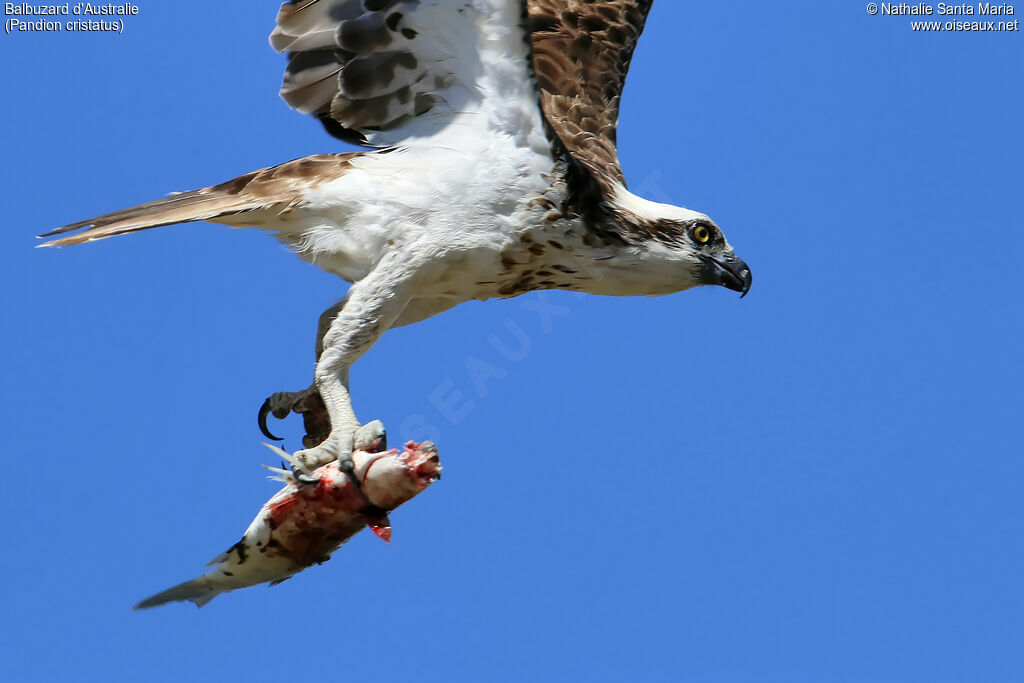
[702, 234]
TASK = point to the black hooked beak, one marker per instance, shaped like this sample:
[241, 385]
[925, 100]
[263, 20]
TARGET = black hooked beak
[727, 271]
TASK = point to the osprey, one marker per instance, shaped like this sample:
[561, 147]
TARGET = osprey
[492, 172]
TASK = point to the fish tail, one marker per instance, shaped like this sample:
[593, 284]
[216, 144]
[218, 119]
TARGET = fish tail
[198, 591]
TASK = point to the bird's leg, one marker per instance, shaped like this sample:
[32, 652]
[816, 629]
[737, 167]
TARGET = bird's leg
[372, 305]
[306, 402]
[340, 442]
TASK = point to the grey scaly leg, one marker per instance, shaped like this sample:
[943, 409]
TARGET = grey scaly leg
[372, 306]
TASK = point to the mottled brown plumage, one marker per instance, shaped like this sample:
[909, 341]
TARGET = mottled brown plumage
[581, 54]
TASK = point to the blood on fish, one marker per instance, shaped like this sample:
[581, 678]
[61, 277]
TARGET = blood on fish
[382, 532]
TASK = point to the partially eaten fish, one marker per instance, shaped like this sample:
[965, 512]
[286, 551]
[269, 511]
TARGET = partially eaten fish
[305, 522]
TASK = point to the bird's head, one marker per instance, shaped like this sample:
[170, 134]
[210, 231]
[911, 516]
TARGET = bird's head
[688, 242]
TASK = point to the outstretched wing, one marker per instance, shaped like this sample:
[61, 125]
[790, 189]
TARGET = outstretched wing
[382, 71]
[581, 53]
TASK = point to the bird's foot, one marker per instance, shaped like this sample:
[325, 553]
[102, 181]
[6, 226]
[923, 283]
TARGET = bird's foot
[306, 403]
[371, 438]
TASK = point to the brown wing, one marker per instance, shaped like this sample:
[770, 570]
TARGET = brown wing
[581, 53]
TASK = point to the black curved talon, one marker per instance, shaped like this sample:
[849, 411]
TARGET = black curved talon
[348, 466]
[307, 480]
[265, 410]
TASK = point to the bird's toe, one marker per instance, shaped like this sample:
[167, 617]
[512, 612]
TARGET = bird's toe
[371, 437]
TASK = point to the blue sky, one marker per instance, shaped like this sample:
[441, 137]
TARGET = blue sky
[821, 482]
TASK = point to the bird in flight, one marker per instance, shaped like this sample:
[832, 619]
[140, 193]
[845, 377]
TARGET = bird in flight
[491, 171]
